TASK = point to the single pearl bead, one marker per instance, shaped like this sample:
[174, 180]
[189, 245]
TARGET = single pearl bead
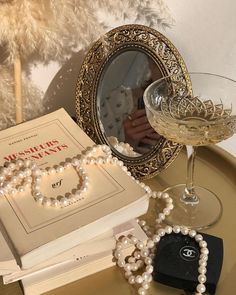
[121, 263]
[156, 238]
[27, 172]
[142, 222]
[147, 189]
[27, 163]
[19, 163]
[36, 172]
[148, 261]
[29, 179]
[140, 263]
[204, 257]
[161, 232]
[11, 166]
[165, 196]
[127, 267]
[125, 241]
[64, 201]
[4, 171]
[184, 230]
[144, 252]
[75, 162]
[149, 269]
[134, 240]
[21, 189]
[145, 276]
[198, 238]
[154, 195]
[150, 243]
[192, 233]
[46, 202]
[131, 280]
[170, 206]
[77, 194]
[128, 273]
[131, 259]
[203, 244]
[204, 251]
[20, 174]
[201, 288]
[51, 170]
[161, 216]
[67, 165]
[13, 191]
[202, 279]
[26, 185]
[166, 211]
[137, 255]
[202, 262]
[39, 198]
[169, 200]
[176, 229]
[202, 270]
[55, 203]
[168, 229]
[139, 279]
[119, 246]
[14, 179]
[140, 245]
[134, 266]
[59, 169]
[36, 187]
[117, 254]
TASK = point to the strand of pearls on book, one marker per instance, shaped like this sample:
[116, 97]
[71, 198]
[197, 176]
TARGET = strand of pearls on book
[142, 257]
[16, 177]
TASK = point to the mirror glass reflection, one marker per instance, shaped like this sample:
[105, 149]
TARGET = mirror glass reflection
[121, 108]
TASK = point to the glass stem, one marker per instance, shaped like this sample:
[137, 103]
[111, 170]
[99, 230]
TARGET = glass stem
[189, 196]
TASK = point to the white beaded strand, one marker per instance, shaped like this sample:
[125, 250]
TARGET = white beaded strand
[23, 174]
[144, 253]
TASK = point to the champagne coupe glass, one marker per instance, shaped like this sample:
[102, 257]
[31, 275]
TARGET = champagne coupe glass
[205, 114]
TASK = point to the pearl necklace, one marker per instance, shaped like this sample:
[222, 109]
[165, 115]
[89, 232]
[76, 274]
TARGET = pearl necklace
[16, 177]
[143, 255]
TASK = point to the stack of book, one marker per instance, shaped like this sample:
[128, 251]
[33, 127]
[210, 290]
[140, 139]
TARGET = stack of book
[44, 247]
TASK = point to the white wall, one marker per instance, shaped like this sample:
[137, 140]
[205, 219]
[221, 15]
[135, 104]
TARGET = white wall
[204, 34]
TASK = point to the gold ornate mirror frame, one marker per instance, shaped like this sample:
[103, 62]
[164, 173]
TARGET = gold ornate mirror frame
[118, 40]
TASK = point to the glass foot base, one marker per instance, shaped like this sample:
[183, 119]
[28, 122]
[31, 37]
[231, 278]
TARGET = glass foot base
[198, 215]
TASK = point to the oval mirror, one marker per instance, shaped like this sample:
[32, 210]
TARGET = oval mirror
[109, 95]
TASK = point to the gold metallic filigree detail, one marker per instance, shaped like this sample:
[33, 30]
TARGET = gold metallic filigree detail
[166, 57]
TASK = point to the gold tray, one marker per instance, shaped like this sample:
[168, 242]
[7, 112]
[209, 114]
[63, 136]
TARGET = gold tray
[216, 170]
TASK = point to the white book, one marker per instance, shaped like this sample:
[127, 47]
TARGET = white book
[99, 244]
[35, 233]
[7, 260]
[69, 272]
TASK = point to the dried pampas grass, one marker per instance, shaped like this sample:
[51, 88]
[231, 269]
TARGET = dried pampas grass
[43, 30]
[32, 99]
[51, 30]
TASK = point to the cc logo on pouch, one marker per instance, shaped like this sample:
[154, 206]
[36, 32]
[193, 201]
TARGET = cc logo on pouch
[189, 253]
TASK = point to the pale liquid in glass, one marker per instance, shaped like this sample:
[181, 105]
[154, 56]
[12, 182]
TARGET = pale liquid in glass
[190, 130]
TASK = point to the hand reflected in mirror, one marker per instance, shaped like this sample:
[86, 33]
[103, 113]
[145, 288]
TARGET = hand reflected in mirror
[139, 133]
